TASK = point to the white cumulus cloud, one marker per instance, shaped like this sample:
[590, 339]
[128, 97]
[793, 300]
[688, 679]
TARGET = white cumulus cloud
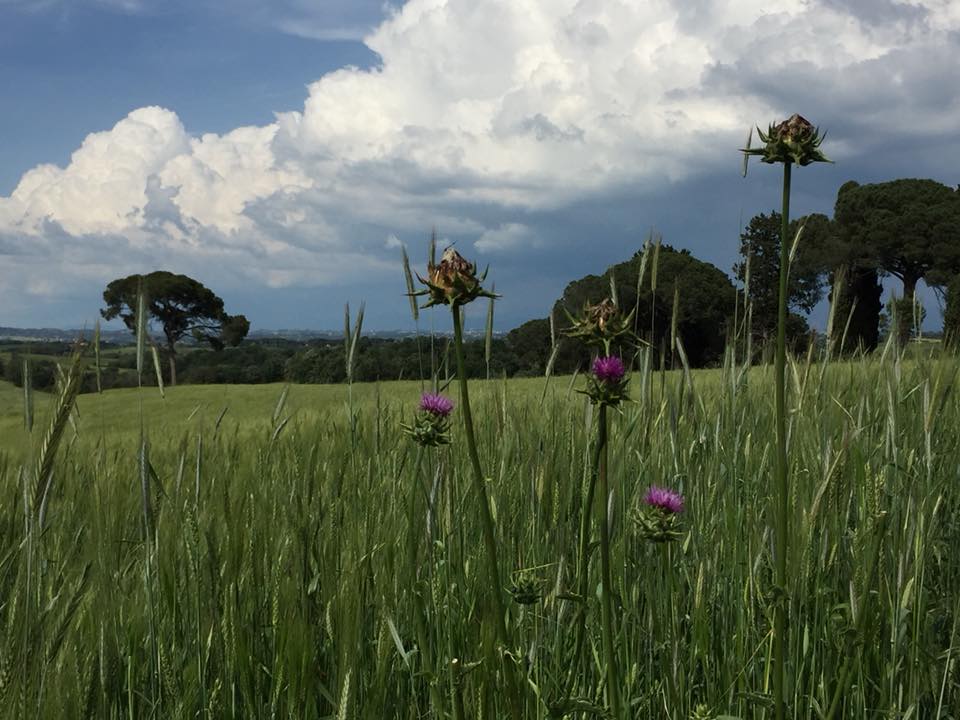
[104, 188]
[479, 110]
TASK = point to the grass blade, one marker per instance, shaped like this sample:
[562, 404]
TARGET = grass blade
[408, 277]
[141, 318]
[656, 263]
[155, 354]
[96, 355]
[63, 407]
[27, 395]
[488, 333]
[354, 339]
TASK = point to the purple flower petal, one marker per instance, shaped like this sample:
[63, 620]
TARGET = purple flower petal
[609, 369]
[436, 404]
[664, 499]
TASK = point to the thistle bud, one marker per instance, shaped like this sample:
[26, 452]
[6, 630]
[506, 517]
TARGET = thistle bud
[526, 588]
[600, 324]
[659, 517]
[794, 140]
[452, 281]
[609, 370]
[431, 426]
[607, 382]
[602, 313]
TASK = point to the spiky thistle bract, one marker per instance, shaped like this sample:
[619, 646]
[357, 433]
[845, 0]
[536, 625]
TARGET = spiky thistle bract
[452, 281]
[795, 140]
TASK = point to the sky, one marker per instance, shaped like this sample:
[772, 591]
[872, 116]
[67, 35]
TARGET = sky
[283, 152]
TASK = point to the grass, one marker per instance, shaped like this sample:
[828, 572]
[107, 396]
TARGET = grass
[113, 417]
[323, 567]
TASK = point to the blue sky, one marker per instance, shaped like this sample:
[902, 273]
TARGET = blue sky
[71, 68]
[281, 152]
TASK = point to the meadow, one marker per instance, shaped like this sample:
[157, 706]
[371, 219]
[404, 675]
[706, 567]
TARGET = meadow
[298, 556]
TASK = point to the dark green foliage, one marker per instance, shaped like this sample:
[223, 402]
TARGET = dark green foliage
[261, 361]
[862, 285]
[761, 242]
[251, 363]
[270, 361]
[951, 314]
[530, 344]
[384, 359]
[799, 333]
[233, 331]
[706, 303]
[183, 306]
[43, 373]
[909, 228]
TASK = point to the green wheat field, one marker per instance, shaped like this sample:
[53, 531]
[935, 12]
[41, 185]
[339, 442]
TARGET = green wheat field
[272, 552]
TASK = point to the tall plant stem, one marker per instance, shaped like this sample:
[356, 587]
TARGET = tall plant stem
[486, 517]
[781, 498]
[613, 688]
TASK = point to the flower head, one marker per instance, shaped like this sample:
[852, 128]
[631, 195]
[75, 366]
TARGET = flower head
[658, 519]
[607, 382]
[664, 499]
[602, 313]
[794, 140]
[437, 405]
[600, 324]
[431, 426]
[609, 370]
[452, 281]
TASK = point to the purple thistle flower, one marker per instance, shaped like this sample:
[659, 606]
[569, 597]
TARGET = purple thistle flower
[609, 369]
[436, 404]
[664, 499]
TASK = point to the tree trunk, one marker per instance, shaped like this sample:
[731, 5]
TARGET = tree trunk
[858, 309]
[904, 310]
[951, 314]
[909, 287]
[172, 361]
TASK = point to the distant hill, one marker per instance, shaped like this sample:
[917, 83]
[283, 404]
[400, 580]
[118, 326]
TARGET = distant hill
[59, 334]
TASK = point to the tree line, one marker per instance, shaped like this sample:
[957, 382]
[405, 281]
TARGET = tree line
[908, 229]
[317, 361]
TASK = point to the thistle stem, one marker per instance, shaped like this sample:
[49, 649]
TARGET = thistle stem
[781, 527]
[486, 517]
[613, 688]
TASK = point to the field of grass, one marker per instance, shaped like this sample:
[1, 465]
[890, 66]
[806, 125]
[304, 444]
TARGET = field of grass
[113, 418]
[324, 566]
